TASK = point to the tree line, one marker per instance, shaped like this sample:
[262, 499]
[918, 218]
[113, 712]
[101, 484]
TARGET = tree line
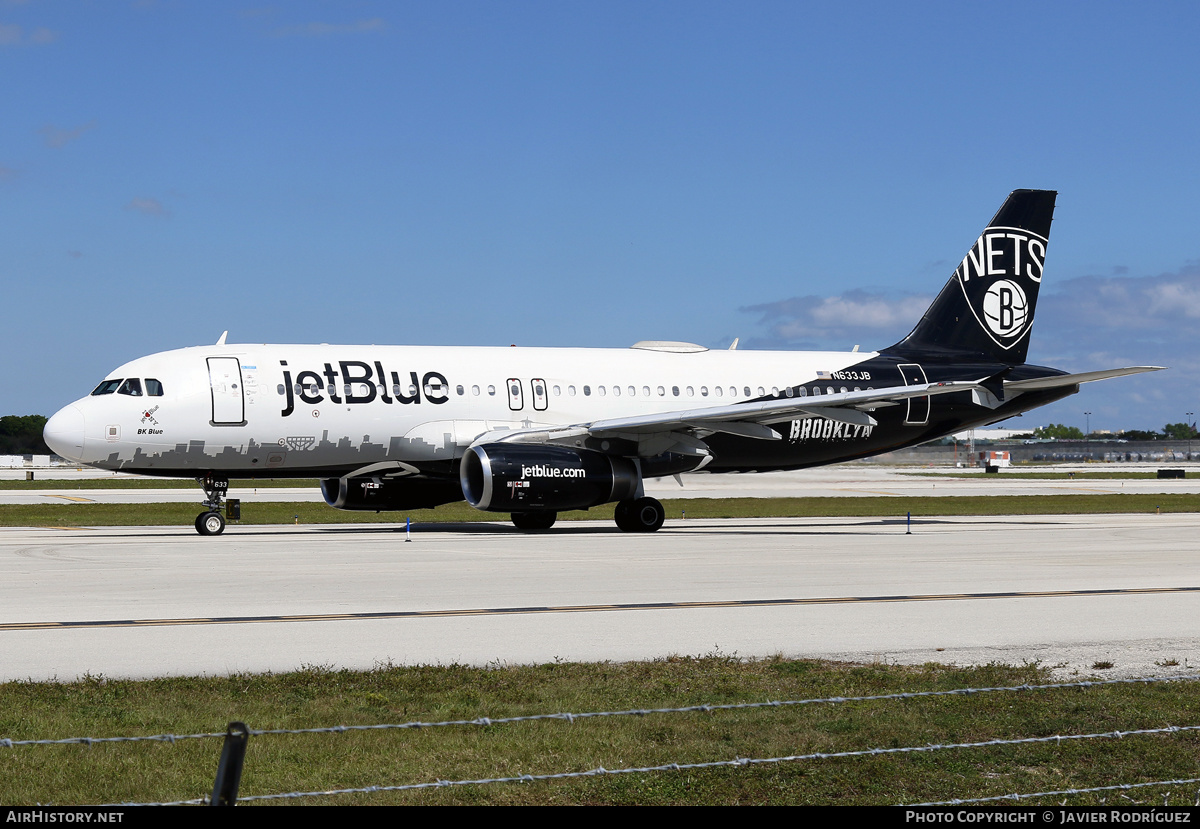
[22, 435]
[1171, 431]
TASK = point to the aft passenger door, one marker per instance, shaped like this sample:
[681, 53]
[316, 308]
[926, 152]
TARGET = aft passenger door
[918, 407]
[225, 380]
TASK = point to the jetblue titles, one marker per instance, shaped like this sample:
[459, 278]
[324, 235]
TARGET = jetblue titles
[355, 382]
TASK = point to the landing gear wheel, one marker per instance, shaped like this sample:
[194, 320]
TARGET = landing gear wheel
[621, 516]
[210, 523]
[641, 515]
[534, 520]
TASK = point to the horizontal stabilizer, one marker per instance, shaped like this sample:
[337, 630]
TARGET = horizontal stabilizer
[1061, 380]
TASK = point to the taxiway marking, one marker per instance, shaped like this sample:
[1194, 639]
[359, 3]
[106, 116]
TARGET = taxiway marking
[593, 608]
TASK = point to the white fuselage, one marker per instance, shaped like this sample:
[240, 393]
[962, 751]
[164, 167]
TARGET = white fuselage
[316, 409]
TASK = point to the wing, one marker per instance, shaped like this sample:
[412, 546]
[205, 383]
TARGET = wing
[679, 431]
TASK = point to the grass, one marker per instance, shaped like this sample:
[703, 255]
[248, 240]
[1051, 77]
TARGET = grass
[980, 475]
[282, 512]
[95, 706]
[125, 482]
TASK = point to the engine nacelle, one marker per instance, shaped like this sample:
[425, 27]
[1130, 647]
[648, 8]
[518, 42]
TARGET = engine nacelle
[515, 478]
[388, 493]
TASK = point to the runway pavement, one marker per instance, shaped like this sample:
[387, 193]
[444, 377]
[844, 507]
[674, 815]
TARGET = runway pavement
[1063, 590]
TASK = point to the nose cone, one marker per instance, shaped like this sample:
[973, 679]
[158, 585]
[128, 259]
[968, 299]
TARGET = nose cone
[64, 433]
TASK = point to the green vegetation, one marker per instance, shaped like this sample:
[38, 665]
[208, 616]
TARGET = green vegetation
[123, 772]
[987, 478]
[1057, 431]
[125, 482]
[123, 515]
[22, 435]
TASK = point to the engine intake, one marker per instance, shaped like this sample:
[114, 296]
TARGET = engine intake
[513, 478]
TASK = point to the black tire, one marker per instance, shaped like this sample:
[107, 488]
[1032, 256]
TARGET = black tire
[534, 520]
[210, 523]
[643, 515]
[622, 516]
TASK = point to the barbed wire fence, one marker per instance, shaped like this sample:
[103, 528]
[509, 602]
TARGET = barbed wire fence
[236, 738]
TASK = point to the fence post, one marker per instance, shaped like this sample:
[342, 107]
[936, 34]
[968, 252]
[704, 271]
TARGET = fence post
[229, 769]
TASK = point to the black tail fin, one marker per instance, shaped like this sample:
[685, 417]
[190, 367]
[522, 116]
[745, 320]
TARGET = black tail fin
[986, 309]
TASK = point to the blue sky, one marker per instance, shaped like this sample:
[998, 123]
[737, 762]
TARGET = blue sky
[589, 173]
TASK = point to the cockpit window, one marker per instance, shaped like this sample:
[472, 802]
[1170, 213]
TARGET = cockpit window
[107, 387]
[153, 387]
[132, 387]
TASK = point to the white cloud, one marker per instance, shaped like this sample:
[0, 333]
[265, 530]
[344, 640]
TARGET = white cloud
[861, 316]
[148, 207]
[58, 137]
[13, 35]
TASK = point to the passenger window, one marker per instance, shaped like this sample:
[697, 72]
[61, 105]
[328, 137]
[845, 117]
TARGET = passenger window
[570, 391]
[600, 390]
[733, 391]
[747, 391]
[107, 387]
[155, 389]
[690, 391]
[788, 391]
[829, 389]
[661, 391]
[675, 390]
[475, 390]
[775, 390]
[587, 391]
[817, 391]
[761, 391]
[131, 387]
[717, 391]
[803, 392]
[616, 391]
[491, 391]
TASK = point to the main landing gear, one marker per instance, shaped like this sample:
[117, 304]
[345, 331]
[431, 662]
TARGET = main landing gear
[640, 515]
[211, 522]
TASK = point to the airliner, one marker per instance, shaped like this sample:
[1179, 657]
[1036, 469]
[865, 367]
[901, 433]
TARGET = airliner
[535, 431]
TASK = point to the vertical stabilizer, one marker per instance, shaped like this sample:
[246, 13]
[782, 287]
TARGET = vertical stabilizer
[986, 309]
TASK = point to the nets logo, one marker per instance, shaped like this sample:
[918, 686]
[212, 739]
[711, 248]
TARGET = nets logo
[1005, 307]
[999, 277]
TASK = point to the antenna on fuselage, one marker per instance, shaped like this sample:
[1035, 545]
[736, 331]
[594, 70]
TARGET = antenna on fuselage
[221, 341]
[733, 346]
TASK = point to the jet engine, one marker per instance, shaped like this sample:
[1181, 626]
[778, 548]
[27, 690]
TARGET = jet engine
[367, 493]
[519, 478]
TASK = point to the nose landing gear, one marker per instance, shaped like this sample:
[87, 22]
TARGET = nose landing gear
[211, 522]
